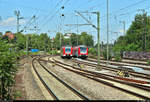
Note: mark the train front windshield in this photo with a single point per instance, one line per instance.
(83, 49)
(68, 50)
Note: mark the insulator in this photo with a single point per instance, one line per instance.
(62, 7)
(62, 15)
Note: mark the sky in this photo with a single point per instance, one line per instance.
(48, 17)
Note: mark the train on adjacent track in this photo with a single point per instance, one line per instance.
(80, 51)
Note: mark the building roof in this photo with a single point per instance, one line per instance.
(10, 35)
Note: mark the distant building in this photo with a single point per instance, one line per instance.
(67, 36)
(10, 35)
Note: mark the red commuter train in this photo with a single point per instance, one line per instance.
(80, 51)
(66, 52)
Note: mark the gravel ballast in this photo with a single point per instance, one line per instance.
(28, 86)
(94, 90)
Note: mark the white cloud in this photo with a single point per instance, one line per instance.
(8, 22)
(11, 21)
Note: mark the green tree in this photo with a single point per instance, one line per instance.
(86, 39)
(73, 39)
(57, 40)
(137, 37)
(20, 41)
(7, 70)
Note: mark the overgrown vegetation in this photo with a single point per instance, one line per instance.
(54, 52)
(148, 62)
(105, 55)
(7, 70)
(44, 43)
(118, 58)
(92, 51)
(13, 49)
(137, 36)
(9, 53)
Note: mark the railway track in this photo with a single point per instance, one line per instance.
(144, 66)
(131, 61)
(139, 81)
(43, 82)
(74, 94)
(135, 74)
(99, 77)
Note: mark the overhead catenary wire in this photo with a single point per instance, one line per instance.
(81, 4)
(129, 6)
(123, 14)
(30, 22)
(46, 16)
(92, 7)
(52, 16)
(134, 4)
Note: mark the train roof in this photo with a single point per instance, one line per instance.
(67, 46)
(80, 46)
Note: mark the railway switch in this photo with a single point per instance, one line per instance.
(120, 73)
(123, 73)
(53, 64)
(82, 66)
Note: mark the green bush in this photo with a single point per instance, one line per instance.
(7, 70)
(105, 55)
(17, 94)
(118, 58)
(148, 62)
(92, 51)
(54, 52)
(34, 53)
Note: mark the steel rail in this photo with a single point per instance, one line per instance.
(136, 74)
(64, 83)
(129, 61)
(104, 75)
(123, 63)
(45, 85)
(101, 76)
